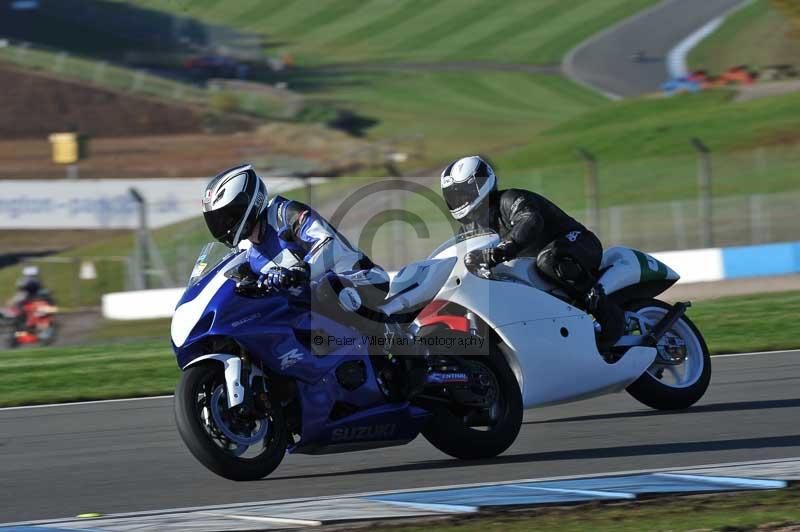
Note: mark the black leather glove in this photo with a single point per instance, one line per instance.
(489, 257)
(281, 278)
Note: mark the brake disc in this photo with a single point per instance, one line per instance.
(219, 420)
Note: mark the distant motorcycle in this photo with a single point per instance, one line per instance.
(263, 375)
(32, 324)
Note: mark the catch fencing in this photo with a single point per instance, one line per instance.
(397, 221)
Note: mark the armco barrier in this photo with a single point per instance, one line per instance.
(694, 266)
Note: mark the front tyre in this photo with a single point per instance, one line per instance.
(239, 443)
(672, 386)
(469, 433)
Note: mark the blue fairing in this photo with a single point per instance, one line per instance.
(279, 331)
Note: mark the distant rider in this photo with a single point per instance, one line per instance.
(529, 225)
(29, 288)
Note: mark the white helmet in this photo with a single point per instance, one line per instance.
(466, 183)
(232, 203)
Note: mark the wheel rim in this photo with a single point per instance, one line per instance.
(230, 429)
(691, 369)
(219, 409)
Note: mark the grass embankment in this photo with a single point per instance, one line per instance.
(124, 79)
(354, 31)
(738, 512)
(137, 360)
(758, 35)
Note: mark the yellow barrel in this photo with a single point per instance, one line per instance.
(68, 148)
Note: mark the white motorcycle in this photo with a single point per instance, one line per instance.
(549, 343)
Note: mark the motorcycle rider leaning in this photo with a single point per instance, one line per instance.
(236, 207)
(529, 225)
(29, 288)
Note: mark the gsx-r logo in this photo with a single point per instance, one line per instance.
(290, 358)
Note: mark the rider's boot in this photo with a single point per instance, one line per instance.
(609, 315)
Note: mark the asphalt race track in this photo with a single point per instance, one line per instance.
(604, 61)
(126, 456)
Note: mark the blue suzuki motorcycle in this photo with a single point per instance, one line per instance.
(265, 374)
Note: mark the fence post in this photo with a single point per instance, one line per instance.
(58, 62)
(140, 251)
(76, 281)
(99, 69)
(679, 225)
(22, 51)
(704, 192)
(591, 186)
(138, 80)
(615, 224)
(755, 204)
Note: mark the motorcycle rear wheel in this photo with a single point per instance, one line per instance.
(449, 432)
(200, 405)
(691, 378)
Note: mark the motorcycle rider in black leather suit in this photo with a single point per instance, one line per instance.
(530, 225)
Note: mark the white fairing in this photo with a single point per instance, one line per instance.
(189, 313)
(627, 267)
(550, 345)
(417, 283)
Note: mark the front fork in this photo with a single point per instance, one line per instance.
(233, 375)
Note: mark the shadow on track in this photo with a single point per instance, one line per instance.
(701, 409)
(573, 454)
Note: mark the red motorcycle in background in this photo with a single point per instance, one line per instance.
(32, 322)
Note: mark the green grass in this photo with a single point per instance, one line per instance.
(457, 112)
(91, 372)
(757, 35)
(762, 322)
(354, 31)
(737, 512)
(134, 364)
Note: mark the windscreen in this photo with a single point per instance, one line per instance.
(457, 239)
(212, 254)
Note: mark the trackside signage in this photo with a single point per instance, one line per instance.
(104, 203)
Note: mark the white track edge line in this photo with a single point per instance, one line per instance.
(781, 352)
(190, 509)
(590, 493)
(122, 400)
(82, 403)
(677, 57)
(732, 481)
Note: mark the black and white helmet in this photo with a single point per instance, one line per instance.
(466, 183)
(232, 202)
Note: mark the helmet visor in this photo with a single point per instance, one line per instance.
(459, 195)
(223, 223)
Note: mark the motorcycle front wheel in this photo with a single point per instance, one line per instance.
(471, 434)
(240, 443)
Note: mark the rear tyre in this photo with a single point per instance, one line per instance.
(673, 387)
(451, 432)
(232, 443)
